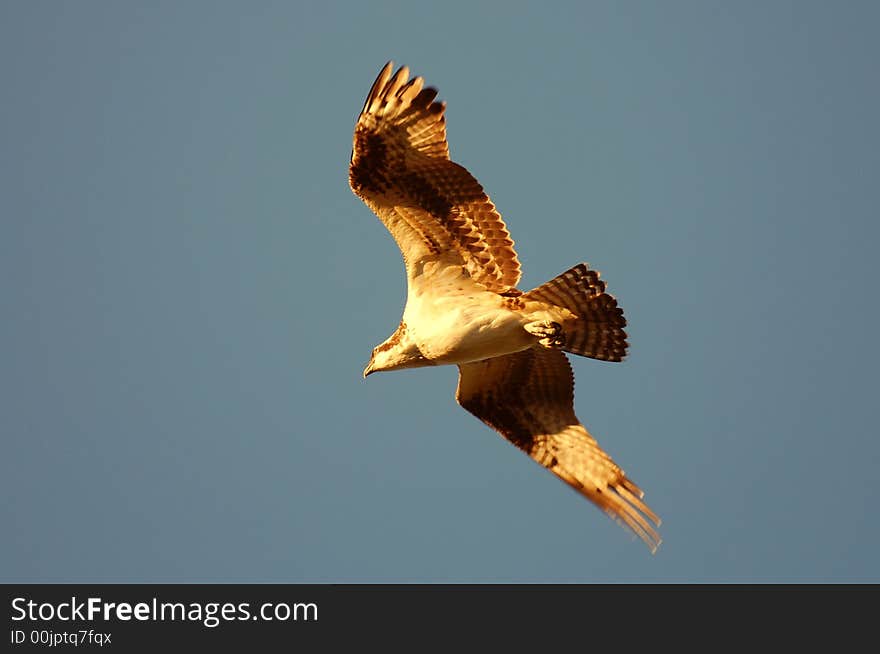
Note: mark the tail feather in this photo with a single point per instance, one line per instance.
(597, 329)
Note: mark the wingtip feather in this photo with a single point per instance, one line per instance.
(379, 84)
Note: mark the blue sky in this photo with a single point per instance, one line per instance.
(191, 291)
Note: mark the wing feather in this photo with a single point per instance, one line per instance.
(529, 398)
(400, 167)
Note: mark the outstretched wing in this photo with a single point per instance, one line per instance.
(528, 397)
(432, 206)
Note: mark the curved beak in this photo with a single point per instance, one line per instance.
(368, 370)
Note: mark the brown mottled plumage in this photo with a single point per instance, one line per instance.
(463, 306)
(400, 167)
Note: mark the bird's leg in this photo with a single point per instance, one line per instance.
(549, 333)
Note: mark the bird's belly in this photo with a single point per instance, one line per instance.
(450, 331)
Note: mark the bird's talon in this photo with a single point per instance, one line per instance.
(549, 333)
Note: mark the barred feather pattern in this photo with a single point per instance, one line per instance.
(528, 397)
(400, 167)
(597, 329)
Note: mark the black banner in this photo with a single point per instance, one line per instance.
(125, 617)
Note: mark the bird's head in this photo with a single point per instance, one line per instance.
(382, 358)
(391, 355)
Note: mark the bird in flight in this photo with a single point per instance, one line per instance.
(463, 306)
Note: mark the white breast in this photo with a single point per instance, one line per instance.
(454, 320)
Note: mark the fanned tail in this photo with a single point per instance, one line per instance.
(597, 329)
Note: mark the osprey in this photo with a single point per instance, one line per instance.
(463, 306)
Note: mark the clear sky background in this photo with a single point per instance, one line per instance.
(190, 291)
